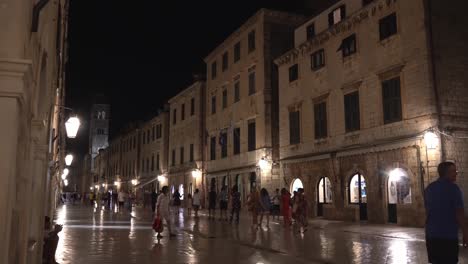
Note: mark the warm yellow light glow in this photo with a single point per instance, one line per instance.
(396, 175)
(134, 181)
(196, 173)
(431, 140)
(263, 164)
(65, 172)
(65, 182)
(161, 178)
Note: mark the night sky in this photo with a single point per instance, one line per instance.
(141, 53)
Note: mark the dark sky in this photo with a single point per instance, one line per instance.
(141, 53)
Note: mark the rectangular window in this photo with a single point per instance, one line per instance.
(182, 112)
(336, 15)
(213, 105)
(147, 165)
(251, 144)
(134, 141)
(391, 95)
(236, 137)
(320, 116)
(224, 98)
(225, 61)
(157, 161)
(317, 59)
(148, 136)
(144, 138)
(223, 142)
(158, 131)
(310, 31)
(173, 157)
(213, 148)
(294, 128)
(152, 162)
(293, 73)
(348, 45)
(251, 40)
(152, 134)
(191, 152)
(192, 106)
(388, 26)
(352, 114)
(181, 155)
(237, 52)
(174, 116)
(251, 83)
(366, 2)
(213, 70)
(236, 91)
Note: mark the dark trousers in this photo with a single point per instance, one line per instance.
(442, 250)
(153, 207)
(236, 212)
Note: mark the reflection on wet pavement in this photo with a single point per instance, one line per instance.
(93, 235)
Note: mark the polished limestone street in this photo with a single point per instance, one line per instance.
(96, 235)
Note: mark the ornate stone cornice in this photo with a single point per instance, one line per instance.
(15, 69)
(341, 28)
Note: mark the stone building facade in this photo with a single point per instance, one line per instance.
(99, 128)
(241, 100)
(154, 145)
(186, 135)
(357, 99)
(32, 136)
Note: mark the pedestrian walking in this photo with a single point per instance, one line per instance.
(196, 202)
(176, 198)
(189, 204)
(162, 210)
(275, 208)
(301, 210)
(91, 199)
(235, 204)
(121, 198)
(265, 206)
(154, 199)
(223, 204)
(444, 216)
(253, 203)
(286, 207)
(212, 204)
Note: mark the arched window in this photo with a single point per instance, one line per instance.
(103, 115)
(296, 184)
(324, 191)
(357, 189)
(399, 187)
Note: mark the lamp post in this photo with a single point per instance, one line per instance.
(72, 125)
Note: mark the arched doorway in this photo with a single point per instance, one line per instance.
(358, 194)
(181, 191)
(324, 193)
(398, 192)
(296, 184)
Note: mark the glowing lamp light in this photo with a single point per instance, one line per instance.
(96, 186)
(396, 175)
(134, 182)
(90, 188)
(196, 173)
(65, 172)
(68, 159)
(64, 176)
(103, 185)
(162, 178)
(116, 183)
(72, 125)
(263, 164)
(65, 182)
(431, 140)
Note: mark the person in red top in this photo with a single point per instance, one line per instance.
(285, 206)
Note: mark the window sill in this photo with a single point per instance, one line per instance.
(388, 40)
(318, 69)
(321, 141)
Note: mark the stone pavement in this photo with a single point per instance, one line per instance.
(92, 235)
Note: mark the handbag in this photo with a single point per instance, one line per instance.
(158, 225)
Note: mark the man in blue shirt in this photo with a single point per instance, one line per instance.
(445, 214)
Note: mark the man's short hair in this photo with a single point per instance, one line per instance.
(443, 167)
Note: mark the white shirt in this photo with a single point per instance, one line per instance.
(196, 199)
(163, 204)
(121, 197)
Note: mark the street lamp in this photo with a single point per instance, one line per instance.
(134, 182)
(68, 159)
(65, 182)
(64, 177)
(72, 125)
(430, 139)
(263, 164)
(65, 172)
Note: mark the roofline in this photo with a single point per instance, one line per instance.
(186, 90)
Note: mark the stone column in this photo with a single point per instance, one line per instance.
(12, 94)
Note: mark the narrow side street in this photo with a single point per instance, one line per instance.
(92, 235)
